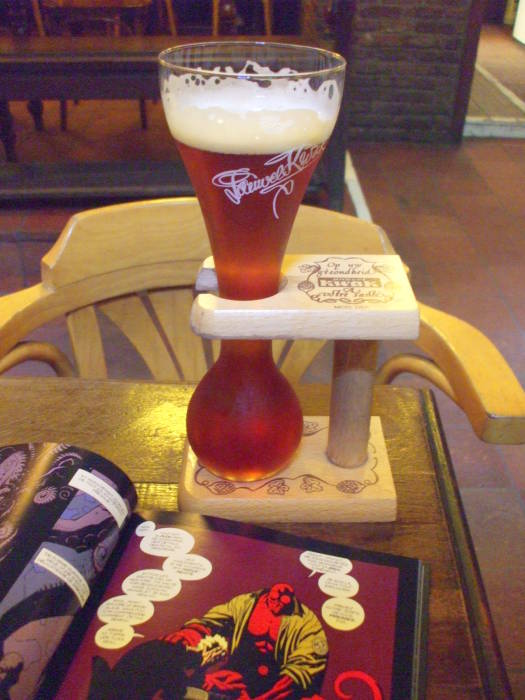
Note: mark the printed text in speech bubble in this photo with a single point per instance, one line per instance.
(343, 613)
(325, 563)
(124, 608)
(189, 567)
(166, 541)
(115, 635)
(339, 585)
(144, 528)
(151, 584)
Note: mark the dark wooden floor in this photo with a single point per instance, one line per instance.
(455, 213)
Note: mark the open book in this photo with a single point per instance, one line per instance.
(99, 602)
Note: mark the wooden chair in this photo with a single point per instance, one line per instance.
(216, 16)
(216, 12)
(52, 16)
(136, 265)
(170, 15)
(108, 13)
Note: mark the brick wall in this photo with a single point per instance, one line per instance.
(404, 67)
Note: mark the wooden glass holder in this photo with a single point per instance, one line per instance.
(341, 470)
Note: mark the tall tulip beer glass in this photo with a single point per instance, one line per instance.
(251, 121)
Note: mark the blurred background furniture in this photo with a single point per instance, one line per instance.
(87, 17)
(229, 10)
(40, 68)
(75, 68)
(112, 17)
(125, 67)
(100, 265)
(225, 17)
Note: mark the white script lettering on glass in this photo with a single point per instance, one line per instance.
(241, 182)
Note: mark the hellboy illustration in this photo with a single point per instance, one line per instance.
(263, 645)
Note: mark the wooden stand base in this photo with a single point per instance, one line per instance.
(310, 489)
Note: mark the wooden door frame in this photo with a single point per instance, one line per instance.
(467, 67)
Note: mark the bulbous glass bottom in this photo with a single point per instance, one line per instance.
(244, 421)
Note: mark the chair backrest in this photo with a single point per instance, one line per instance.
(135, 264)
(216, 16)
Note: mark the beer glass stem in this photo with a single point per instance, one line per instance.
(249, 350)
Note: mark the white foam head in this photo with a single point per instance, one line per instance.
(236, 115)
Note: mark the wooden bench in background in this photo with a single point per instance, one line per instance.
(100, 68)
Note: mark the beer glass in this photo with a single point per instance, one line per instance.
(251, 121)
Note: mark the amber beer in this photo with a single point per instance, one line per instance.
(250, 148)
(244, 421)
(249, 203)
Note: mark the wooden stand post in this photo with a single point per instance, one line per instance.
(354, 365)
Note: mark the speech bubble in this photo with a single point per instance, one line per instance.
(325, 563)
(338, 585)
(145, 528)
(190, 567)
(343, 613)
(166, 541)
(115, 636)
(151, 584)
(124, 608)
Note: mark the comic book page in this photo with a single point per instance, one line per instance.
(61, 511)
(207, 608)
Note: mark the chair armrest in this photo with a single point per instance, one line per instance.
(483, 384)
(414, 364)
(38, 352)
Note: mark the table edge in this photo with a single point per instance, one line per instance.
(486, 646)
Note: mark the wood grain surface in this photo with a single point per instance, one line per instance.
(141, 427)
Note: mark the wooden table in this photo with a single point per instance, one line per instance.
(140, 426)
(103, 68)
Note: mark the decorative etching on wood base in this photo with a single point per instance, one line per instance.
(311, 488)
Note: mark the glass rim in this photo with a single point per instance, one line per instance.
(339, 61)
